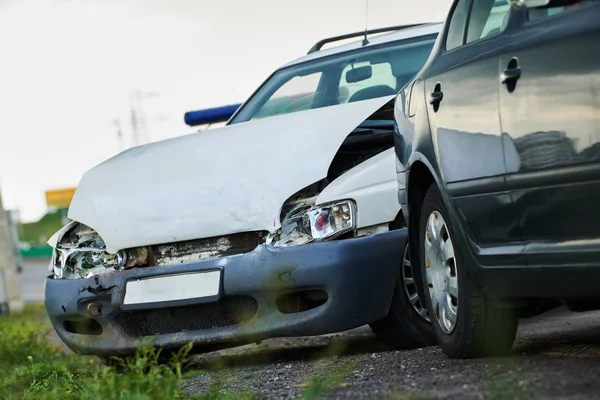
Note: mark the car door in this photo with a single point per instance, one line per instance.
(550, 116)
(462, 90)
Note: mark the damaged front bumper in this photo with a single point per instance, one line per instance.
(353, 281)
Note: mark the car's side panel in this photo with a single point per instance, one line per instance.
(551, 124)
(569, 269)
(466, 135)
(412, 125)
(412, 139)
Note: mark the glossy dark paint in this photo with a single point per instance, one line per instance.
(524, 198)
(560, 85)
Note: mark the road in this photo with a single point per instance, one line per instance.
(34, 272)
(556, 356)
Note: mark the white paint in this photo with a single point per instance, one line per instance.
(372, 185)
(223, 181)
(173, 287)
(54, 239)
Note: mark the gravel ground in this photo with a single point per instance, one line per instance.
(556, 356)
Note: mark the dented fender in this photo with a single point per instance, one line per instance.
(372, 185)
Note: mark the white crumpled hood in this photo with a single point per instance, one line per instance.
(212, 183)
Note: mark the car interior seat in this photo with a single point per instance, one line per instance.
(372, 92)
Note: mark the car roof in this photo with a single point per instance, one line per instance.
(426, 29)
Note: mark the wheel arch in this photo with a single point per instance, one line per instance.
(419, 177)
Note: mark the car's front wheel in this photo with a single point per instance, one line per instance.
(466, 322)
(407, 324)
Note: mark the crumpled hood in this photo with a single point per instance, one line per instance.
(213, 183)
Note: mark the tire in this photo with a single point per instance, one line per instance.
(482, 326)
(403, 328)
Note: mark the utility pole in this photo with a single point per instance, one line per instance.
(138, 126)
(10, 283)
(137, 120)
(119, 131)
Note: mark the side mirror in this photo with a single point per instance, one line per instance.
(359, 74)
(542, 3)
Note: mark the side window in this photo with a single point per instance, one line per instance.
(488, 17)
(456, 29)
(297, 94)
(534, 14)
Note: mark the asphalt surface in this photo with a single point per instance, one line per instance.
(32, 279)
(556, 356)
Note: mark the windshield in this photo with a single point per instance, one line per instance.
(338, 79)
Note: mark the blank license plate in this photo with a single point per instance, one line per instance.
(179, 287)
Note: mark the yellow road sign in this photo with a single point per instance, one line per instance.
(59, 197)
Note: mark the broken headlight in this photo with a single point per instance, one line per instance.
(304, 224)
(79, 252)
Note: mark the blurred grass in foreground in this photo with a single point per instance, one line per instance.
(31, 367)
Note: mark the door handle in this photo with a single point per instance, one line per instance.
(436, 97)
(510, 75)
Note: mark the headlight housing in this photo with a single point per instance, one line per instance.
(304, 224)
(80, 252)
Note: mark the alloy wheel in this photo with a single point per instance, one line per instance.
(410, 287)
(440, 272)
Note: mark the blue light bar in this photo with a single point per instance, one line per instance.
(210, 115)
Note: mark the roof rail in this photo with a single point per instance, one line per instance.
(321, 43)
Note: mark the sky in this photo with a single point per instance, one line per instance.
(68, 69)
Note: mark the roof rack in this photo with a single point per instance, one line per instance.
(321, 43)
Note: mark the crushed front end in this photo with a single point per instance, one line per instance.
(234, 289)
(256, 258)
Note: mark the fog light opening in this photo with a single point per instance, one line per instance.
(86, 326)
(296, 302)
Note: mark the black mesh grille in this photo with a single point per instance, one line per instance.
(227, 312)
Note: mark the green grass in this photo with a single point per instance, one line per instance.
(44, 228)
(31, 367)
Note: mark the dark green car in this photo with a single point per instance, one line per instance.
(498, 147)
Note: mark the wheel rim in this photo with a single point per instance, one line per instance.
(410, 288)
(440, 272)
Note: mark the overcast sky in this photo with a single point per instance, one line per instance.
(67, 68)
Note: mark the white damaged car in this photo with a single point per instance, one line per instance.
(284, 222)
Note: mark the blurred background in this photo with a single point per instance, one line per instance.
(83, 80)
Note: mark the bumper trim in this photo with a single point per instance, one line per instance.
(358, 275)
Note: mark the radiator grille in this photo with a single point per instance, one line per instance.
(227, 312)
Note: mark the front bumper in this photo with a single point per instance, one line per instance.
(358, 276)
